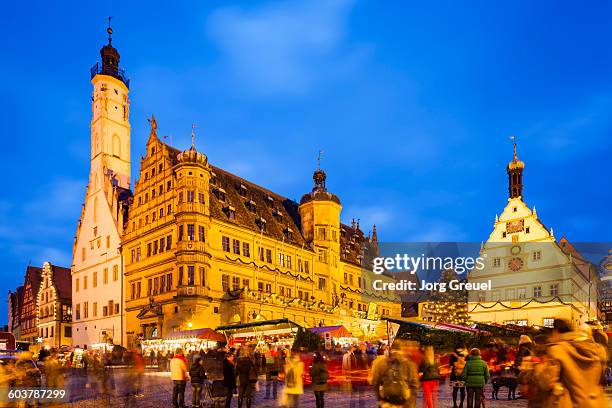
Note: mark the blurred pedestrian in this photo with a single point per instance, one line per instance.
(457, 363)
(430, 378)
(54, 374)
(178, 374)
(246, 376)
(197, 375)
(475, 374)
(319, 376)
(574, 369)
(391, 377)
(525, 350)
(229, 378)
(272, 368)
(139, 369)
(294, 383)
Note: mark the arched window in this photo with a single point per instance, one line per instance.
(116, 146)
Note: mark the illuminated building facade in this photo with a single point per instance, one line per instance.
(204, 247)
(97, 267)
(54, 307)
(534, 277)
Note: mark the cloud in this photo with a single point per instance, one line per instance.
(283, 47)
(42, 227)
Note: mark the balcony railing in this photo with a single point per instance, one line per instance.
(191, 290)
(119, 74)
(191, 246)
(192, 207)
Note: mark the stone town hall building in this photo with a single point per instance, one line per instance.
(196, 246)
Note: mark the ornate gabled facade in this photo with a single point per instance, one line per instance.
(15, 300)
(97, 268)
(204, 247)
(534, 278)
(54, 307)
(31, 286)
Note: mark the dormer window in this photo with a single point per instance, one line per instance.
(242, 190)
(251, 205)
(230, 212)
(261, 223)
(270, 201)
(278, 216)
(213, 178)
(219, 193)
(288, 233)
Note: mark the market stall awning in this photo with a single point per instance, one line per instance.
(201, 334)
(275, 326)
(337, 332)
(435, 325)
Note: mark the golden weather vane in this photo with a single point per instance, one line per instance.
(109, 30)
(513, 138)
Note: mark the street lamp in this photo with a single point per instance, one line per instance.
(190, 325)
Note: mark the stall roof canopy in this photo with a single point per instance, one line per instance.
(337, 332)
(258, 326)
(202, 334)
(434, 325)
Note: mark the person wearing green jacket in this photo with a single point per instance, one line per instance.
(475, 374)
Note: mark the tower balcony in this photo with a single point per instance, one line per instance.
(197, 246)
(116, 73)
(190, 207)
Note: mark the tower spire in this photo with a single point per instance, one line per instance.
(110, 60)
(109, 30)
(193, 126)
(515, 173)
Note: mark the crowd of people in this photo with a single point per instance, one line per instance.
(564, 368)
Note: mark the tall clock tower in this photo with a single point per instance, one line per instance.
(533, 277)
(97, 267)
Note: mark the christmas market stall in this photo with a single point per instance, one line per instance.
(336, 334)
(442, 336)
(188, 340)
(263, 334)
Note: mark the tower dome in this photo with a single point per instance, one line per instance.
(191, 155)
(110, 60)
(319, 191)
(515, 163)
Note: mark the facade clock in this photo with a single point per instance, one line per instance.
(515, 250)
(515, 263)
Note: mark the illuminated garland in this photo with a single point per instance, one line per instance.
(366, 293)
(297, 275)
(273, 297)
(520, 307)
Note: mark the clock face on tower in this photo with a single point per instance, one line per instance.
(515, 264)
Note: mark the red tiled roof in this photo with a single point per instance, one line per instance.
(63, 282)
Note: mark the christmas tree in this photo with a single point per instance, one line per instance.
(449, 306)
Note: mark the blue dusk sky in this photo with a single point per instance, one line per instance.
(412, 103)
